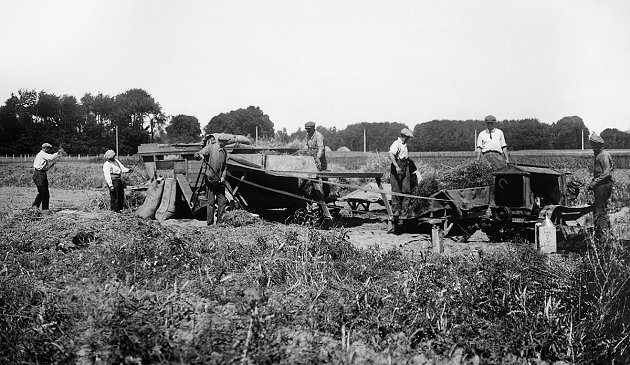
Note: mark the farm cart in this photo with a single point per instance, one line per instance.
(520, 197)
(258, 179)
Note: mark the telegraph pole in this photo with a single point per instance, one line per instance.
(364, 142)
(117, 141)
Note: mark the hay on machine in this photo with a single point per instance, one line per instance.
(259, 179)
(519, 197)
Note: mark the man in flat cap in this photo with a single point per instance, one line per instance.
(491, 144)
(601, 184)
(314, 144)
(215, 159)
(44, 160)
(315, 147)
(400, 176)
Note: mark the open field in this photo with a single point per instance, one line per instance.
(85, 285)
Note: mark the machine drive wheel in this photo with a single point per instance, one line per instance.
(502, 214)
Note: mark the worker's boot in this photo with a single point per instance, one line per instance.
(327, 223)
(395, 225)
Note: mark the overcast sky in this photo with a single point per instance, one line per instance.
(334, 62)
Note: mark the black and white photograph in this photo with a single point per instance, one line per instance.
(426, 182)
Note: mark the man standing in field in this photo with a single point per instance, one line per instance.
(315, 147)
(400, 176)
(112, 170)
(215, 158)
(491, 145)
(43, 162)
(601, 184)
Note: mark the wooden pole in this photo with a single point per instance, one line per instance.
(364, 142)
(116, 140)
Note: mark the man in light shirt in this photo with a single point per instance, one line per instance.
(43, 162)
(113, 169)
(602, 186)
(315, 147)
(491, 145)
(400, 176)
(314, 144)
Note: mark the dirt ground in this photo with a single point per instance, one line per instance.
(17, 198)
(364, 231)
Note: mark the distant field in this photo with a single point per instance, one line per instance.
(567, 162)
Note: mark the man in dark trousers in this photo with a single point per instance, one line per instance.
(491, 145)
(113, 170)
(400, 177)
(601, 184)
(44, 160)
(215, 158)
(315, 147)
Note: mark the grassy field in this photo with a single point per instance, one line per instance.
(95, 287)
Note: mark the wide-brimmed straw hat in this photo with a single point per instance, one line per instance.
(595, 138)
(406, 132)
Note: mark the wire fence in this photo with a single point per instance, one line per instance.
(333, 154)
(67, 158)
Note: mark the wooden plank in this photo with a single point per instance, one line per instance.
(387, 206)
(350, 174)
(185, 187)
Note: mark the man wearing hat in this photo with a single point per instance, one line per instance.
(601, 184)
(491, 144)
(314, 144)
(215, 158)
(400, 175)
(315, 147)
(44, 160)
(113, 169)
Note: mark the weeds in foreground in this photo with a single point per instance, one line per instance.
(285, 294)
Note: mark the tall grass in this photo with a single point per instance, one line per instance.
(71, 175)
(268, 293)
(112, 288)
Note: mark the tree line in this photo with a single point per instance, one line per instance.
(456, 135)
(89, 125)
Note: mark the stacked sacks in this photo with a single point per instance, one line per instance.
(152, 200)
(162, 201)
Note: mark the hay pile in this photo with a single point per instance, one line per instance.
(467, 175)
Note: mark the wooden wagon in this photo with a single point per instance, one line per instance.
(258, 179)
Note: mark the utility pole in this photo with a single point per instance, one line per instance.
(364, 142)
(117, 141)
(256, 142)
(475, 141)
(582, 139)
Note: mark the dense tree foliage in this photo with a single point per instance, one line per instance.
(242, 121)
(183, 129)
(616, 138)
(89, 125)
